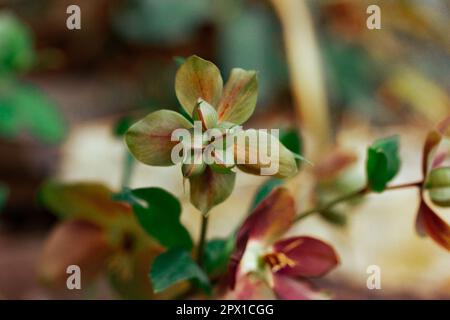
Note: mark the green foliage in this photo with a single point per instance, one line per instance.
(217, 254)
(334, 217)
(291, 140)
(16, 46)
(122, 125)
(158, 212)
(22, 107)
(383, 163)
(26, 108)
(264, 190)
(174, 266)
(3, 195)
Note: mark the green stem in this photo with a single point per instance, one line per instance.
(348, 197)
(128, 165)
(202, 240)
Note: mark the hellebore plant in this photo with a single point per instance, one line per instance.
(125, 233)
(261, 260)
(199, 89)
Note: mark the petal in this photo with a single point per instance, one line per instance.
(149, 140)
(210, 188)
(260, 153)
(444, 127)
(239, 97)
(74, 242)
(307, 257)
(432, 141)
(429, 148)
(88, 201)
(198, 78)
(249, 287)
(428, 222)
(271, 218)
(287, 288)
(205, 113)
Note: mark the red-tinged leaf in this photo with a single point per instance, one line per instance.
(302, 257)
(150, 139)
(89, 201)
(198, 78)
(287, 288)
(270, 219)
(444, 127)
(239, 97)
(429, 223)
(74, 242)
(431, 142)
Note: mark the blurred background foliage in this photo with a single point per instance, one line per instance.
(121, 65)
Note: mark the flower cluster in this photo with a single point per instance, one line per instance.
(264, 267)
(200, 91)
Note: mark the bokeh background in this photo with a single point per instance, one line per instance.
(322, 72)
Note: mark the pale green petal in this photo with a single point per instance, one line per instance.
(210, 188)
(149, 140)
(198, 78)
(282, 162)
(239, 97)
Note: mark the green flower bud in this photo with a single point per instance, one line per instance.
(438, 185)
(194, 166)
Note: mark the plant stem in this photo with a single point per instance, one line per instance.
(348, 197)
(128, 165)
(306, 75)
(202, 240)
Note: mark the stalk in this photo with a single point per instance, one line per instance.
(202, 240)
(307, 81)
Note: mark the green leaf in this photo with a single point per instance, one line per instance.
(217, 254)
(264, 190)
(16, 45)
(383, 162)
(3, 195)
(122, 125)
(438, 185)
(158, 212)
(179, 60)
(149, 140)
(174, 266)
(291, 139)
(334, 217)
(27, 108)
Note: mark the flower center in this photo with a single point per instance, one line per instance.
(278, 260)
